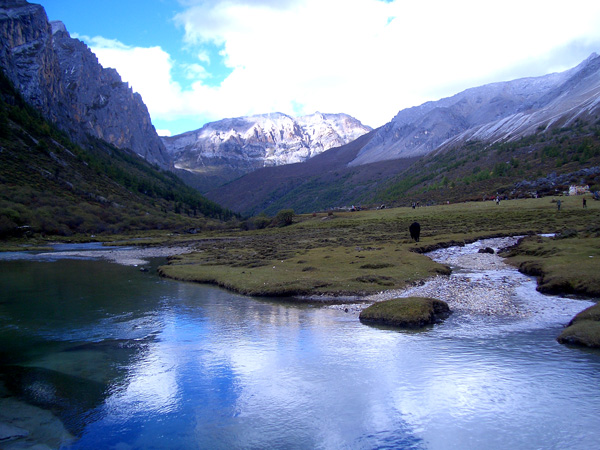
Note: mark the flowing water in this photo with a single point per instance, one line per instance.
(98, 355)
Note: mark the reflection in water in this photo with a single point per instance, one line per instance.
(128, 360)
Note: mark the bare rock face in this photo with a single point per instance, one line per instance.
(62, 78)
(233, 147)
(26, 53)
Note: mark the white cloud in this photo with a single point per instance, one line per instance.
(367, 58)
(196, 72)
(204, 57)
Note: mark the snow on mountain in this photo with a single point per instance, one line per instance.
(498, 111)
(576, 98)
(244, 144)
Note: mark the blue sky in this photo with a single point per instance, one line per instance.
(195, 61)
(137, 23)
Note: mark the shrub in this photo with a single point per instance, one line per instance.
(261, 222)
(284, 217)
(7, 226)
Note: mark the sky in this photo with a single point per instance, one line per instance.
(198, 61)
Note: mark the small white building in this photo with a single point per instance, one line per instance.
(579, 190)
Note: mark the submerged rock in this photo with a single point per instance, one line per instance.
(24, 426)
(68, 397)
(9, 432)
(410, 312)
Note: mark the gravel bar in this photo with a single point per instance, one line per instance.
(480, 283)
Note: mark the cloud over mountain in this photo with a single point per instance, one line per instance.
(300, 56)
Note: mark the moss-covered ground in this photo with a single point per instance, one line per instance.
(410, 312)
(564, 264)
(361, 252)
(584, 329)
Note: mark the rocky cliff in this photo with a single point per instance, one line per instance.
(229, 148)
(63, 79)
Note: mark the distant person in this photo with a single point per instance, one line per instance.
(584, 203)
(558, 204)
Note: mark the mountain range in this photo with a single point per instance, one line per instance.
(491, 115)
(489, 138)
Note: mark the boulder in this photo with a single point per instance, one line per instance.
(410, 312)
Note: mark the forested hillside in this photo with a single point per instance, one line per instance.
(50, 185)
(546, 163)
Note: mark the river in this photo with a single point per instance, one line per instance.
(95, 354)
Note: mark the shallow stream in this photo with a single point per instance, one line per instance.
(99, 355)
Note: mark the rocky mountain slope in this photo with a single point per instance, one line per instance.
(494, 112)
(481, 141)
(576, 98)
(224, 150)
(62, 78)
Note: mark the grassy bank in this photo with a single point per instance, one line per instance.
(584, 329)
(565, 264)
(368, 251)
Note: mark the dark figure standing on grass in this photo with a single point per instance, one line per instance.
(558, 205)
(584, 203)
(415, 231)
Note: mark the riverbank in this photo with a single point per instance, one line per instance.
(481, 283)
(138, 256)
(331, 257)
(476, 280)
(567, 264)
(363, 253)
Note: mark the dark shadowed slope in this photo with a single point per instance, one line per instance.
(322, 182)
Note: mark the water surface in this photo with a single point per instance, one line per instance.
(127, 360)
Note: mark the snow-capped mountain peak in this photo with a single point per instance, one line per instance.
(243, 144)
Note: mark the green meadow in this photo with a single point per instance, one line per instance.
(357, 253)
